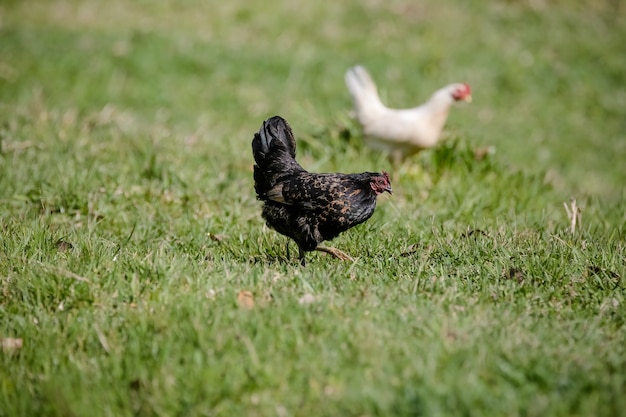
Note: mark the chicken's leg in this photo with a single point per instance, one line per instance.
(331, 251)
(336, 253)
(301, 256)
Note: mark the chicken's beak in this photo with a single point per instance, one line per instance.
(468, 98)
(389, 190)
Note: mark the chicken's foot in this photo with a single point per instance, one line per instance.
(336, 253)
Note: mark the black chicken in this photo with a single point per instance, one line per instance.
(309, 208)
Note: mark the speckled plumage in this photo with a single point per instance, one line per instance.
(309, 208)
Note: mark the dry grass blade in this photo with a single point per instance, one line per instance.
(102, 339)
(574, 215)
(63, 272)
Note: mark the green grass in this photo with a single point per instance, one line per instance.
(129, 227)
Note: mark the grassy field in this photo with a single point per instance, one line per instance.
(137, 276)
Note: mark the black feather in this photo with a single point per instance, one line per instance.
(309, 208)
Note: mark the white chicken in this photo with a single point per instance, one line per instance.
(400, 132)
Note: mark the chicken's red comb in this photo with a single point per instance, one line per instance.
(462, 91)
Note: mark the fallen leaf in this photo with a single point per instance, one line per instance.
(63, 246)
(268, 297)
(451, 335)
(411, 249)
(11, 344)
(216, 238)
(307, 299)
(481, 153)
(245, 299)
(514, 273)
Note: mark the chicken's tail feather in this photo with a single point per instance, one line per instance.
(274, 151)
(274, 136)
(362, 88)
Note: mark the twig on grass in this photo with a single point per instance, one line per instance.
(64, 272)
(574, 214)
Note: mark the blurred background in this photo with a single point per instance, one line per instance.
(548, 77)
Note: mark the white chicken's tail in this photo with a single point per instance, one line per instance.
(363, 91)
